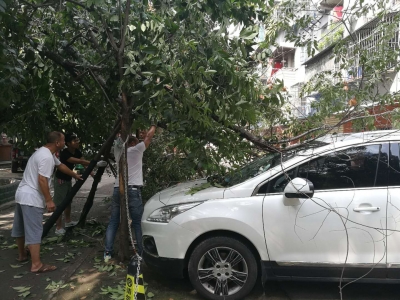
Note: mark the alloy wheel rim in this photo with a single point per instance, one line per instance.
(222, 271)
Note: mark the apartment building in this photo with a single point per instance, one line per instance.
(333, 21)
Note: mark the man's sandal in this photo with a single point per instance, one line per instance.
(45, 268)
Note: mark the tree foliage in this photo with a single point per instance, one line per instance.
(179, 62)
(188, 64)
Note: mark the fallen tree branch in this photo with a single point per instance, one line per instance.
(259, 142)
(78, 184)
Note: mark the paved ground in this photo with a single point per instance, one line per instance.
(81, 273)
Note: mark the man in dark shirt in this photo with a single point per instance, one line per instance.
(62, 182)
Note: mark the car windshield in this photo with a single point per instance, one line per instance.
(265, 163)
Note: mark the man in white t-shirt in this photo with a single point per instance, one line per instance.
(32, 196)
(135, 182)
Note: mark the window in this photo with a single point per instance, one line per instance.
(356, 167)
(262, 164)
(369, 41)
(394, 170)
(278, 184)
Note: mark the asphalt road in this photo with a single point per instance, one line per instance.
(271, 291)
(328, 291)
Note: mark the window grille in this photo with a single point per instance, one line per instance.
(369, 40)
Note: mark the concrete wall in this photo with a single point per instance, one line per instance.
(7, 191)
(325, 63)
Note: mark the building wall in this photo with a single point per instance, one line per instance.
(354, 22)
(382, 121)
(325, 63)
(332, 121)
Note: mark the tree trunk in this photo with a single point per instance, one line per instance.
(123, 253)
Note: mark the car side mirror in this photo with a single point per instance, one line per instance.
(299, 188)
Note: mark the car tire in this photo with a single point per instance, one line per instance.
(14, 167)
(222, 268)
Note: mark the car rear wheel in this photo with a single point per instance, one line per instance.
(222, 268)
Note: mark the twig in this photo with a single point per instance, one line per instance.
(102, 89)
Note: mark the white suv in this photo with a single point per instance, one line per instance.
(332, 205)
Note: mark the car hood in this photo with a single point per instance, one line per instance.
(180, 193)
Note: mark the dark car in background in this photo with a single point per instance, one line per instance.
(19, 158)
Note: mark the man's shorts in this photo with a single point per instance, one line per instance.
(61, 189)
(28, 222)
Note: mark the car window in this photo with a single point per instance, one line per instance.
(278, 184)
(262, 164)
(394, 169)
(356, 167)
(382, 174)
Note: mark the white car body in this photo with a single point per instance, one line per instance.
(292, 238)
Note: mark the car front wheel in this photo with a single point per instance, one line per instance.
(222, 268)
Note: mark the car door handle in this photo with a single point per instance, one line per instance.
(368, 208)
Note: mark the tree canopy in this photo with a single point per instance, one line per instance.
(187, 64)
(78, 65)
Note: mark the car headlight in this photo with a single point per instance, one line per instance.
(166, 213)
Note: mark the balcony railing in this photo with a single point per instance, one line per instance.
(369, 41)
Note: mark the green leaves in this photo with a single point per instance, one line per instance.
(3, 6)
(150, 50)
(115, 293)
(112, 269)
(23, 290)
(114, 18)
(67, 257)
(177, 68)
(147, 73)
(55, 286)
(13, 246)
(249, 33)
(241, 102)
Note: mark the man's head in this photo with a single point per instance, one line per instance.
(72, 140)
(57, 139)
(142, 134)
(132, 141)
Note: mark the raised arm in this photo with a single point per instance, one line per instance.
(149, 135)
